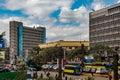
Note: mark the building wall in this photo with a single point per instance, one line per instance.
(67, 45)
(14, 38)
(105, 26)
(24, 38)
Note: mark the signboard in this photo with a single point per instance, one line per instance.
(2, 54)
(2, 44)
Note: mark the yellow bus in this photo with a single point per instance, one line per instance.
(72, 69)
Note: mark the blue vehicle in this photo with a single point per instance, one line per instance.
(32, 68)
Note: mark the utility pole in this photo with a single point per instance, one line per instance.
(115, 63)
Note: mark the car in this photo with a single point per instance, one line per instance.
(87, 70)
(1, 69)
(98, 70)
(45, 66)
(32, 68)
(55, 67)
(104, 71)
(93, 70)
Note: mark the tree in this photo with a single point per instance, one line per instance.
(1, 35)
(37, 49)
(51, 53)
(34, 58)
(99, 50)
(78, 52)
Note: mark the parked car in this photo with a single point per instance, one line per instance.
(45, 66)
(98, 70)
(104, 71)
(86, 69)
(32, 68)
(2, 69)
(93, 70)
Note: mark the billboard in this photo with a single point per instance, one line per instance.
(2, 43)
(2, 54)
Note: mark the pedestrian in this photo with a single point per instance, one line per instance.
(109, 74)
(110, 77)
(65, 77)
(56, 77)
(92, 74)
(63, 74)
(41, 76)
(70, 78)
(48, 74)
(45, 71)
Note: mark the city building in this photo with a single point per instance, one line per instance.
(23, 39)
(104, 26)
(67, 45)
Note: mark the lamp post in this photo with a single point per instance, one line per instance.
(115, 63)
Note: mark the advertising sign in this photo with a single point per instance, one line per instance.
(2, 44)
(2, 54)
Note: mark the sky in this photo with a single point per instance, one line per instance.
(63, 19)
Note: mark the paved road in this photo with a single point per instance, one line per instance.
(73, 77)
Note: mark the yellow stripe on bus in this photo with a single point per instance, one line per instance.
(88, 66)
(68, 71)
(98, 66)
(118, 67)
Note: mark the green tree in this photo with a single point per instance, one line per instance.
(34, 58)
(50, 53)
(78, 52)
(36, 49)
(98, 50)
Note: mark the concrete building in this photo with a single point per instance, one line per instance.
(23, 39)
(104, 26)
(67, 45)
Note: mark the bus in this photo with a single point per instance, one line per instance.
(72, 69)
(94, 67)
(98, 65)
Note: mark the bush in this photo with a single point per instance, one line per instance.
(89, 78)
(50, 78)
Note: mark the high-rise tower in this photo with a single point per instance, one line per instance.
(24, 38)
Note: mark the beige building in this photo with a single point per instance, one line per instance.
(67, 45)
(105, 26)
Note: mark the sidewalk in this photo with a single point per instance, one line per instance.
(95, 74)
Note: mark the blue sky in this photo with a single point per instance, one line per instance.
(63, 19)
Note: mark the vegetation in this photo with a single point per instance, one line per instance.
(78, 52)
(89, 78)
(35, 58)
(100, 50)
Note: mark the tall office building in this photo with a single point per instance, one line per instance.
(23, 39)
(104, 26)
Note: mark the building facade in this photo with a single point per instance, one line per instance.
(67, 45)
(104, 26)
(23, 39)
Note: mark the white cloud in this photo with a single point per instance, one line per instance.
(68, 33)
(79, 15)
(38, 12)
(37, 8)
(118, 1)
(98, 4)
